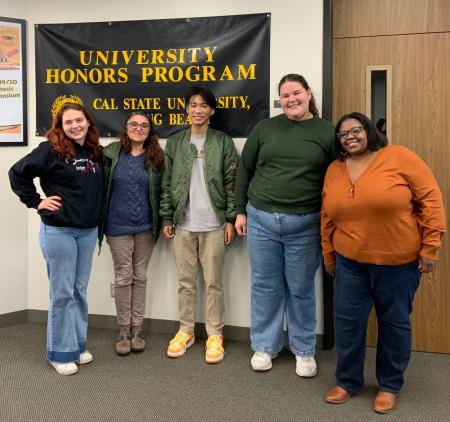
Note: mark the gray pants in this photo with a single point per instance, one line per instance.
(209, 249)
(131, 255)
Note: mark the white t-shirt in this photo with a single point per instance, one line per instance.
(199, 215)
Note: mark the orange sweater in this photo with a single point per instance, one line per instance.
(391, 214)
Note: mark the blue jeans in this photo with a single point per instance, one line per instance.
(68, 254)
(284, 254)
(391, 289)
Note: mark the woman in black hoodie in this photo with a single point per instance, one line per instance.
(70, 170)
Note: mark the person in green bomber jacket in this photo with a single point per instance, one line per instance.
(198, 200)
(132, 168)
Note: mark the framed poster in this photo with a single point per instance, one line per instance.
(13, 83)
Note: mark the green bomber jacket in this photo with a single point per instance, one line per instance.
(221, 160)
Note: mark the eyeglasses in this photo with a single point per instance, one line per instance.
(135, 125)
(354, 131)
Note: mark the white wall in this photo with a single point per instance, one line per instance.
(296, 47)
(14, 216)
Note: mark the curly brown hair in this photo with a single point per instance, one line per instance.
(153, 153)
(62, 146)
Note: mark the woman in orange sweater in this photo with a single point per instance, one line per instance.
(382, 223)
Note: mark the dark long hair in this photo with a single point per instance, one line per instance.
(293, 77)
(375, 139)
(153, 153)
(62, 146)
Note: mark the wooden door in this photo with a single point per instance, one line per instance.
(420, 120)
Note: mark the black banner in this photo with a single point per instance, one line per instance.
(117, 67)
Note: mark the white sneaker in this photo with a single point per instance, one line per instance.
(85, 357)
(68, 368)
(262, 361)
(306, 366)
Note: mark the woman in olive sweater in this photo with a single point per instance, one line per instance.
(278, 196)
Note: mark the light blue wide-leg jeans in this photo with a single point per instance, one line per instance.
(284, 254)
(68, 253)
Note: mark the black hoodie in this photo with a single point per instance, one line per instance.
(78, 182)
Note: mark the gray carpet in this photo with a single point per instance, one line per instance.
(151, 387)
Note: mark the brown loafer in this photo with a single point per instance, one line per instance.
(384, 402)
(337, 395)
(137, 341)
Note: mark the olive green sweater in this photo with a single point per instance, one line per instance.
(283, 165)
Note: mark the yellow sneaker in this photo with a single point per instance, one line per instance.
(179, 344)
(214, 349)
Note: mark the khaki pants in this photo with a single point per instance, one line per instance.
(131, 255)
(209, 249)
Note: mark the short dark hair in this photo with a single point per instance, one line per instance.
(375, 139)
(205, 93)
(294, 77)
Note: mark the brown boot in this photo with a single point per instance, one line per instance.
(384, 402)
(123, 345)
(137, 341)
(337, 395)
